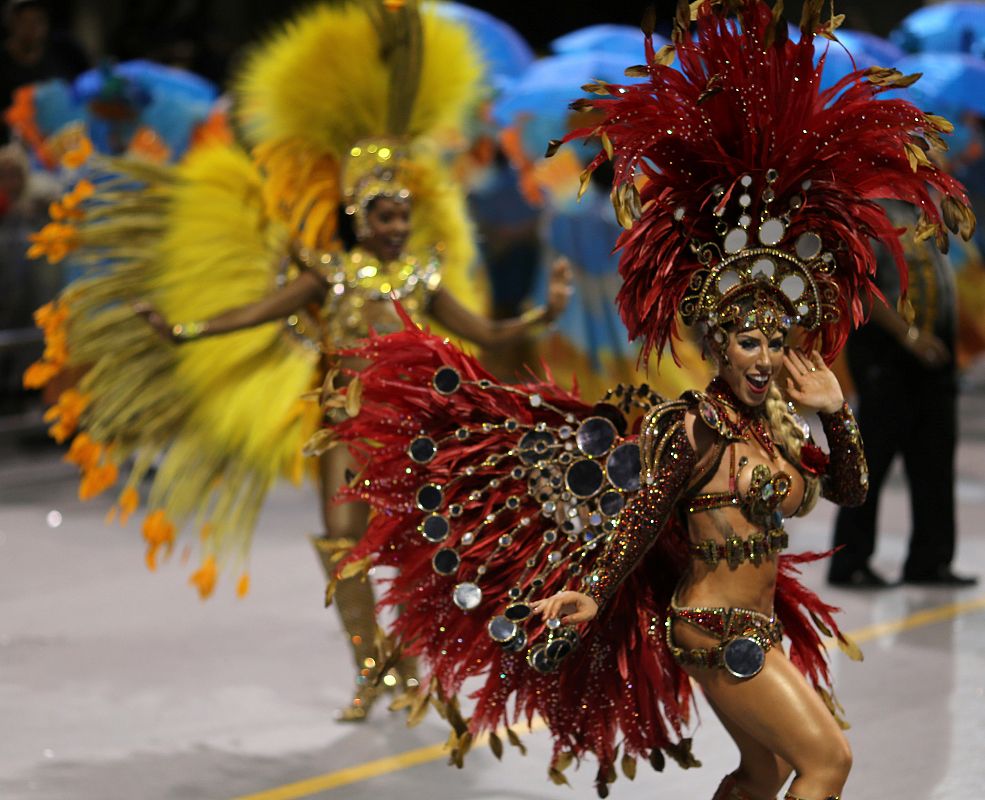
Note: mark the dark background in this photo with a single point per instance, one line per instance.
(205, 35)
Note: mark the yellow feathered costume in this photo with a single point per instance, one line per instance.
(222, 419)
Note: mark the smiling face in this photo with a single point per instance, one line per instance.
(752, 363)
(387, 227)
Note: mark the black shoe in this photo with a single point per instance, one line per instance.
(859, 578)
(941, 576)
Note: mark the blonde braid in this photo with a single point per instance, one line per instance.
(786, 430)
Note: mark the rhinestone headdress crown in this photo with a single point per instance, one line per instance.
(372, 169)
(757, 275)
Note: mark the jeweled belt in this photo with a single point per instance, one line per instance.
(735, 549)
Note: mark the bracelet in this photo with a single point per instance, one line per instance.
(913, 333)
(534, 317)
(188, 331)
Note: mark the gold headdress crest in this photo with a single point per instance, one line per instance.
(757, 274)
(372, 169)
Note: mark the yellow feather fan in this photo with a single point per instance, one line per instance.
(221, 419)
(323, 80)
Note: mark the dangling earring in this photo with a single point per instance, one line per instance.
(720, 338)
(361, 226)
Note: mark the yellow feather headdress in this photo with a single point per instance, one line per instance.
(344, 78)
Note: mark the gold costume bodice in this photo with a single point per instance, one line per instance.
(360, 290)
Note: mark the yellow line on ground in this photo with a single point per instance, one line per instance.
(919, 619)
(343, 777)
(424, 755)
(369, 769)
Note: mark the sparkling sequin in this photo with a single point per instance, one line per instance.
(846, 480)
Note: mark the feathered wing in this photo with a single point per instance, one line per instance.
(220, 420)
(487, 497)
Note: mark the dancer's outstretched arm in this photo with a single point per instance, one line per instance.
(487, 332)
(305, 289)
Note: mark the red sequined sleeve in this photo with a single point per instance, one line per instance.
(846, 479)
(668, 462)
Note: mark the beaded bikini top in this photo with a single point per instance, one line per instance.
(767, 491)
(360, 288)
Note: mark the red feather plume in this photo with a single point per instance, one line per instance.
(746, 100)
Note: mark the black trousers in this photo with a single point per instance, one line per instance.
(907, 409)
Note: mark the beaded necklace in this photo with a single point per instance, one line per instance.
(749, 423)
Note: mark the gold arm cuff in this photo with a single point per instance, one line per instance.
(188, 331)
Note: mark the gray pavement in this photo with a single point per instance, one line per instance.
(119, 684)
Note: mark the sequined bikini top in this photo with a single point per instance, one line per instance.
(360, 288)
(767, 489)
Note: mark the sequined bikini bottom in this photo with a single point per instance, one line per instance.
(745, 637)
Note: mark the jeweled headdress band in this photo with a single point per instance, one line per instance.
(372, 169)
(758, 274)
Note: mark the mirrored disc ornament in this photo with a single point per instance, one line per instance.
(727, 280)
(435, 528)
(611, 503)
(561, 642)
(808, 246)
(536, 446)
(792, 286)
(518, 642)
(744, 657)
(763, 268)
(538, 659)
(430, 497)
(467, 596)
(446, 380)
(735, 240)
(518, 612)
(584, 478)
(501, 629)
(623, 467)
(422, 450)
(772, 231)
(446, 561)
(595, 436)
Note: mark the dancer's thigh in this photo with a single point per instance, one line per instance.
(778, 709)
(756, 757)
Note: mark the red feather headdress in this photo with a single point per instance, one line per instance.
(748, 192)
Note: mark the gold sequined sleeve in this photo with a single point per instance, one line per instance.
(846, 479)
(668, 462)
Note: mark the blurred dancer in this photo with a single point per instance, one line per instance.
(291, 254)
